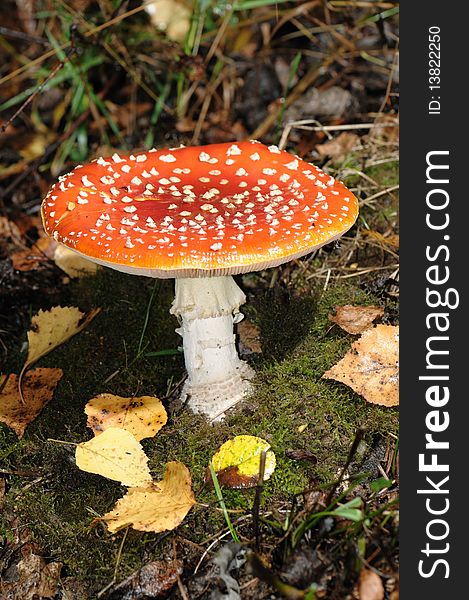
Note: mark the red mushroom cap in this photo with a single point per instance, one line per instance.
(198, 211)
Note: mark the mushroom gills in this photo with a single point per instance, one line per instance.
(207, 308)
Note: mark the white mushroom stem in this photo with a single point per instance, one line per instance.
(207, 309)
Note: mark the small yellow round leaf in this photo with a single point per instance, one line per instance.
(237, 461)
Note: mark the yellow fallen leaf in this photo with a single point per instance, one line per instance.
(117, 455)
(355, 319)
(142, 416)
(161, 507)
(38, 388)
(53, 327)
(237, 461)
(371, 367)
(72, 263)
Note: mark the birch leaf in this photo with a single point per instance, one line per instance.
(143, 417)
(53, 327)
(73, 263)
(371, 367)
(161, 507)
(117, 455)
(38, 388)
(355, 319)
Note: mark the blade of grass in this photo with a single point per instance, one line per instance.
(248, 4)
(147, 316)
(221, 501)
(293, 70)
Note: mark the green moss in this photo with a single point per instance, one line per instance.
(299, 345)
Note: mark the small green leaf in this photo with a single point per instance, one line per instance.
(352, 514)
(380, 484)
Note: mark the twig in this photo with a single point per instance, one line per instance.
(351, 454)
(39, 88)
(118, 559)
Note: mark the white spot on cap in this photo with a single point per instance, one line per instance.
(255, 156)
(136, 181)
(82, 200)
(126, 168)
(126, 199)
(168, 158)
(217, 246)
(128, 243)
(130, 209)
(86, 181)
(229, 161)
(233, 150)
(116, 158)
(293, 165)
(269, 171)
(241, 172)
(274, 149)
(141, 158)
(204, 157)
(164, 181)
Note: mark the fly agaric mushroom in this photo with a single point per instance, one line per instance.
(200, 215)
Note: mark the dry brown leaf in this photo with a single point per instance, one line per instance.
(38, 389)
(371, 367)
(53, 327)
(386, 242)
(370, 586)
(158, 508)
(31, 578)
(153, 580)
(249, 335)
(72, 263)
(355, 319)
(143, 417)
(9, 230)
(32, 259)
(339, 146)
(117, 455)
